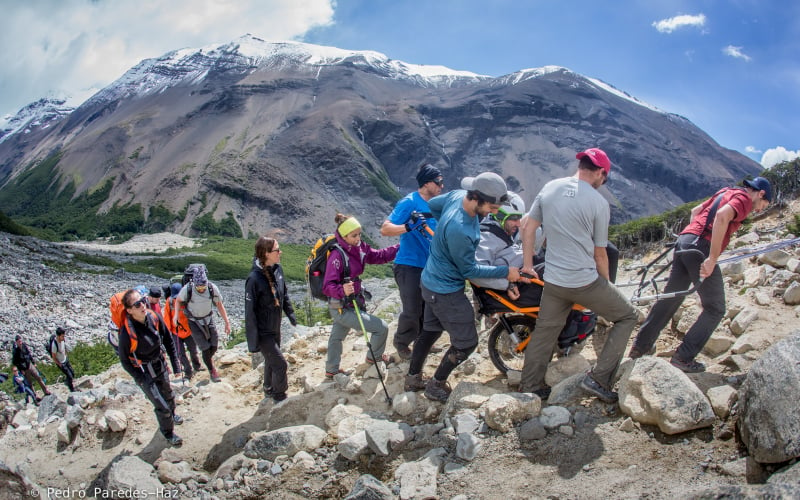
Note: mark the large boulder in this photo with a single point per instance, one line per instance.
(769, 422)
(652, 391)
(133, 474)
(287, 441)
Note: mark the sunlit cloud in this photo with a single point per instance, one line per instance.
(752, 150)
(736, 52)
(773, 156)
(685, 20)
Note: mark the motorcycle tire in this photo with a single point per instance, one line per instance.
(502, 350)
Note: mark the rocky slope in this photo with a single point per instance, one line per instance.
(486, 441)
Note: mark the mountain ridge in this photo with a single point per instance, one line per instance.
(254, 131)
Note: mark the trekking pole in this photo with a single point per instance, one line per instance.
(369, 345)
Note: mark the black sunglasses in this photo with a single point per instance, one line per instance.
(439, 182)
(142, 301)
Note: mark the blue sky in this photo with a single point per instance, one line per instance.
(731, 67)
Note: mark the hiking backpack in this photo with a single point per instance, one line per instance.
(317, 262)
(49, 345)
(188, 274)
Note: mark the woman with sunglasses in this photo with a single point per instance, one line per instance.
(266, 295)
(142, 336)
(344, 289)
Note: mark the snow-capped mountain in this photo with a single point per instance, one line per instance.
(248, 54)
(37, 115)
(282, 135)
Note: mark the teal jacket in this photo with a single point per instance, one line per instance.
(452, 259)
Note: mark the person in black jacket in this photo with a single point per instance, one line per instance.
(265, 296)
(146, 331)
(23, 359)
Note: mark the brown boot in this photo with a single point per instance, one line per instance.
(414, 383)
(436, 390)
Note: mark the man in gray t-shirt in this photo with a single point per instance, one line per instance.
(198, 299)
(576, 217)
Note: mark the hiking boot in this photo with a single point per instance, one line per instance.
(198, 367)
(437, 390)
(384, 357)
(636, 352)
(435, 349)
(268, 392)
(414, 383)
(177, 419)
(543, 392)
(279, 396)
(594, 388)
(687, 366)
(330, 375)
(403, 351)
(173, 439)
(215, 375)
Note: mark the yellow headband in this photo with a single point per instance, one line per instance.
(348, 226)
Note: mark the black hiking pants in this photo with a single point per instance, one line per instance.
(275, 380)
(157, 390)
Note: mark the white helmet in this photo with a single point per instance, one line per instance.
(513, 207)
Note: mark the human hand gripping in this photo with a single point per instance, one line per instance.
(707, 267)
(415, 222)
(527, 273)
(513, 274)
(349, 289)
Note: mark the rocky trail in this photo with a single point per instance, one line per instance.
(671, 436)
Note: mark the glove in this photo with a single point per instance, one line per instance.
(293, 319)
(415, 222)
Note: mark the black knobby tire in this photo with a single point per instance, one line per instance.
(502, 350)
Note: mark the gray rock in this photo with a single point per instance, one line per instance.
(74, 416)
(51, 406)
(404, 403)
(383, 436)
(418, 479)
(553, 417)
(63, 433)
(367, 487)
(287, 441)
(116, 420)
(353, 446)
(16, 484)
(743, 320)
(175, 473)
(467, 446)
(747, 492)
(769, 422)
(792, 294)
(775, 258)
(652, 391)
(722, 398)
(465, 421)
(132, 473)
(532, 429)
(789, 475)
(567, 391)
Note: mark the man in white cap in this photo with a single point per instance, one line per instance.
(451, 263)
(576, 217)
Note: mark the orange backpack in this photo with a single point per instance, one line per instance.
(119, 317)
(182, 328)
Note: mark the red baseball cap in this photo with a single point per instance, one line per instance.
(598, 157)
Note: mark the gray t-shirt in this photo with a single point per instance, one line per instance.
(200, 306)
(576, 219)
(59, 349)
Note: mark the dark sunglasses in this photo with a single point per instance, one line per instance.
(141, 302)
(439, 182)
(275, 250)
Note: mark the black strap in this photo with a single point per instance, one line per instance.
(345, 259)
(497, 231)
(712, 213)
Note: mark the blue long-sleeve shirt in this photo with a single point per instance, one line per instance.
(452, 259)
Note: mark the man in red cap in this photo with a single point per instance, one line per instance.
(576, 263)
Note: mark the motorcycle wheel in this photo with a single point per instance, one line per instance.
(502, 349)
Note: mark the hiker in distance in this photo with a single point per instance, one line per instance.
(185, 344)
(22, 358)
(709, 231)
(342, 286)
(452, 261)
(265, 297)
(198, 299)
(576, 217)
(142, 337)
(415, 246)
(22, 386)
(58, 351)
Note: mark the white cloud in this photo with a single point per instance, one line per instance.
(751, 150)
(773, 156)
(671, 24)
(77, 47)
(736, 52)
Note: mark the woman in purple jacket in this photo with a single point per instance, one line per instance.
(341, 290)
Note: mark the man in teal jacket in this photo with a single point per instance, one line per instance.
(451, 263)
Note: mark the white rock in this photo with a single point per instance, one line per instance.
(743, 320)
(404, 403)
(792, 294)
(722, 398)
(117, 421)
(755, 276)
(718, 343)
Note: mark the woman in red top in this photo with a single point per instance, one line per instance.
(709, 231)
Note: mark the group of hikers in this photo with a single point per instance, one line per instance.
(481, 234)
(24, 370)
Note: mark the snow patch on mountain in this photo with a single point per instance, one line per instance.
(35, 116)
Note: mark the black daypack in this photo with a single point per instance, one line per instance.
(317, 262)
(49, 345)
